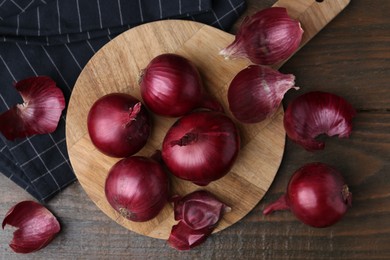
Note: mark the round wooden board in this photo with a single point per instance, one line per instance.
(116, 67)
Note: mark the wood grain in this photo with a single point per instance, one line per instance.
(116, 68)
(350, 57)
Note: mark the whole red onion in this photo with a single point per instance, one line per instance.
(316, 194)
(137, 187)
(268, 37)
(171, 86)
(315, 113)
(201, 147)
(256, 92)
(118, 125)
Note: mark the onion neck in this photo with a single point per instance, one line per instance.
(347, 195)
(280, 204)
(133, 113)
(187, 139)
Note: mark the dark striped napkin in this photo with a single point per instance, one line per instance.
(56, 38)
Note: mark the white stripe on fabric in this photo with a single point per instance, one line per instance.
(55, 66)
(51, 193)
(36, 156)
(39, 22)
(6, 66)
(3, 148)
(59, 17)
(100, 14)
(180, 12)
(120, 11)
(43, 1)
(79, 14)
(74, 58)
(223, 16)
(234, 8)
(140, 10)
(217, 20)
(17, 145)
(5, 103)
(3, 2)
(49, 172)
(16, 4)
(17, 25)
(90, 46)
(24, 56)
(27, 6)
(200, 5)
(159, 5)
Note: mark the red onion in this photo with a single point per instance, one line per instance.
(118, 125)
(201, 147)
(316, 113)
(36, 225)
(171, 86)
(40, 112)
(256, 92)
(198, 214)
(268, 37)
(316, 194)
(137, 187)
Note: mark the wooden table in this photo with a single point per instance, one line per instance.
(351, 58)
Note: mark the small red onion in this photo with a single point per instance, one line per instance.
(118, 125)
(201, 147)
(315, 113)
(316, 194)
(171, 86)
(137, 187)
(256, 92)
(40, 112)
(268, 37)
(36, 225)
(198, 214)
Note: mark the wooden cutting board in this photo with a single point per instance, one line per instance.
(116, 67)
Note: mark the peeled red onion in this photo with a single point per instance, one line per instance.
(171, 86)
(198, 214)
(118, 125)
(315, 113)
(40, 112)
(37, 226)
(268, 37)
(137, 187)
(201, 147)
(316, 194)
(256, 92)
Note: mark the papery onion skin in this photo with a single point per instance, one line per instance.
(172, 86)
(201, 147)
(316, 194)
(37, 226)
(315, 113)
(268, 37)
(119, 125)
(256, 92)
(40, 112)
(137, 187)
(198, 214)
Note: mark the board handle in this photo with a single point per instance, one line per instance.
(313, 15)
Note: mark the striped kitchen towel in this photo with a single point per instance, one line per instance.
(56, 38)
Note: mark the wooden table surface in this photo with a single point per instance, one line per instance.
(351, 58)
